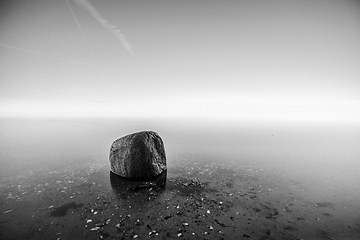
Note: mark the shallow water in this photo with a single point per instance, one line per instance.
(225, 180)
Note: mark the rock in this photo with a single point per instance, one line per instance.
(139, 155)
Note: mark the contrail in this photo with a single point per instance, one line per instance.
(85, 40)
(28, 51)
(109, 27)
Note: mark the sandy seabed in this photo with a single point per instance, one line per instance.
(202, 198)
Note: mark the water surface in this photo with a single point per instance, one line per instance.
(229, 180)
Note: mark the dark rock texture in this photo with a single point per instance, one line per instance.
(139, 155)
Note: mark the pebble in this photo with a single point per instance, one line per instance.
(153, 232)
(95, 229)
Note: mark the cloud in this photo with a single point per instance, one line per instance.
(109, 27)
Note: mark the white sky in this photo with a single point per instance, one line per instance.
(295, 60)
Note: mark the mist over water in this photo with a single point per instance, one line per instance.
(312, 168)
(321, 155)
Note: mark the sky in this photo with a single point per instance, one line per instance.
(292, 60)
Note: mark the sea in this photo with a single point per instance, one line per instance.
(226, 179)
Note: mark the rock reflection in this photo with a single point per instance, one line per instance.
(148, 189)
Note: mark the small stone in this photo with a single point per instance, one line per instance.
(211, 228)
(179, 234)
(152, 232)
(88, 221)
(95, 229)
(208, 211)
(185, 224)
(136, 236)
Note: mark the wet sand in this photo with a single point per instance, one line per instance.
(203, 198)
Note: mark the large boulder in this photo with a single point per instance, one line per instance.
(139, 155)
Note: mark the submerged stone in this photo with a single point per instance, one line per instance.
(139, 155)
(62, 210)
